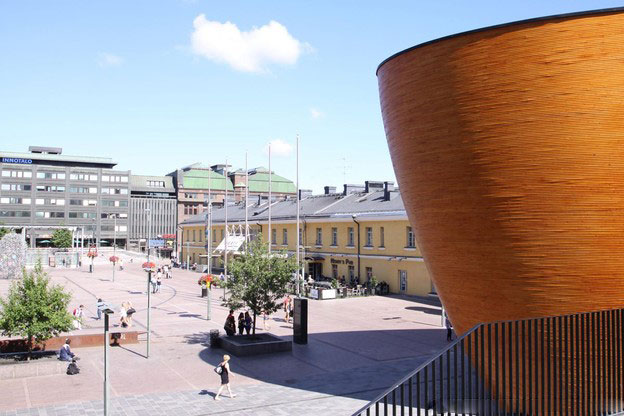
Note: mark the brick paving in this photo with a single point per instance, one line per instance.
(357, 348)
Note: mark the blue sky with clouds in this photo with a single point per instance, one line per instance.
(162, 84)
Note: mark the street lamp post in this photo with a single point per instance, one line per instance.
(114, 243)
(208, 205)
(149, 279)
(107, 311)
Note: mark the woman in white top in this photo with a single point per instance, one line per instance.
(123, 315)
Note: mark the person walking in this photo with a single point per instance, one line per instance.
(241, 323)
(129, 312)
(265, 316)
(78, 314)
(153, 283)
(98, 306)
(120, 264)
(449, 328)
(230, 324)
(223, 369)
(123, 315)
(248, 322)
(287, 308)
(158, 283)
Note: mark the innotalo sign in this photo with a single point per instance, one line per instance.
(17, 160)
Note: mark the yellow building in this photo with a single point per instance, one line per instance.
(360, 233)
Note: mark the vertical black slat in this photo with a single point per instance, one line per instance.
(447, 398)
(456, 387)
(368, 412)
(496, 398)
(606, 362)
(530, 366)
(477, 391)
(524, 383)
(594, 378)
(603, 361)
(613, 359)
(377, 408)
(542, 390)
(394, 401)
(503, 398)
(434, 394)
(489, 342)
(549, 341)
(610, 360)
(418, 402)
(469, 374)
(442, 384)
(517, 397)
(618, 343)
(402, 399)
(598, 375)
(385, 403)
(482, 381)
(584, 351)
(566, 333)
(536, 361)
(577, 320)
(462, 349)
(410, 400)
(448, 381)
(560, 372)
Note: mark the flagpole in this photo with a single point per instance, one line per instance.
(226, 224)
(270, 194)
(297, 235)
(246, 203)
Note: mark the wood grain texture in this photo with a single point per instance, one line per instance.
(508, 146)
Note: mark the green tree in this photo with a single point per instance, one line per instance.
(259, 279)
(4, 231)
(35, 309)
(62, 238)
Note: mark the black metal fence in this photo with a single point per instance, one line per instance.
(561, 365)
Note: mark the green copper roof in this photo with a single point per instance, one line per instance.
(198, 179)
(259, 182)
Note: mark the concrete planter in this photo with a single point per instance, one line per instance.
(246, 345)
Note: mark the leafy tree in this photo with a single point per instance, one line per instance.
(62, 238)
(4, 231)
(259, 279)
(34, 309)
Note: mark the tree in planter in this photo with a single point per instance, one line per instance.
(259, 279)
(34, 309)
(62, 238)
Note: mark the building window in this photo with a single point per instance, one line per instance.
(82, 215)
(381, 237)
(300, 236)
(16, 174)
(334, 236)
(14, 213)
(214, 236)
(82, 177)
(50, 188)
(47, 214)
(351, 273)
(50, 175)
(284, 236)
(335, 271)
(21, 201)
(350, 237)
(369, 236)
(156, 184)
(222, 234)
(15, 187)
(319, 236)
(369, 273)
(410, 238)
(273, 236)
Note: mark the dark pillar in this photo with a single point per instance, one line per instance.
(300, 321)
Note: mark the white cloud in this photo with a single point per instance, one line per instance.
(316, 113)
(108, 59)
(251, 51)
(278, 148)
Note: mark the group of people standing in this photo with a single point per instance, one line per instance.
(245, 323)
(156, 280)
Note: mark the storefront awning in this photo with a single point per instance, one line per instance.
(316, 257)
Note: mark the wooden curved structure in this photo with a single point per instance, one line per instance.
(508, 146)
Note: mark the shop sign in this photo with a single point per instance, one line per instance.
(340, 261)
(17, 160)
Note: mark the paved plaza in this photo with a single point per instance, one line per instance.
(357, 348)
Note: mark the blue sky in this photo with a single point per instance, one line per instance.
(123, 79)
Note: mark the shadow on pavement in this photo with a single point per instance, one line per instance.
(355, 364)
(430, 311)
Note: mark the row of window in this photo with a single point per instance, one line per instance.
(410, 241)
(156, 184)
(14, 213)
(59, 188)
(6, 173)
(60, 201)
(16, 174)
(190, 209)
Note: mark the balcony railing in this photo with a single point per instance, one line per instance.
(560, 365)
